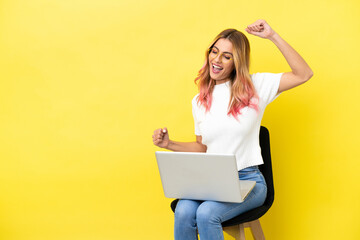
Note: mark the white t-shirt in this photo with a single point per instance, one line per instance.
(222, 133)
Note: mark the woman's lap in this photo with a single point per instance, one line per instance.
(223, 211)
(211, 213)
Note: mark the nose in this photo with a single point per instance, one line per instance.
(218, 58)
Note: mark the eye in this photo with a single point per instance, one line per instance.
(213, 51)
(227, 57)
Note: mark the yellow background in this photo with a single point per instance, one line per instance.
(84, 83)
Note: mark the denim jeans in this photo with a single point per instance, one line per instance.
(207, 216)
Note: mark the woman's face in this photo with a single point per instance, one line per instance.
(221, 61)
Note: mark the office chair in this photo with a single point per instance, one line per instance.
(251, 217)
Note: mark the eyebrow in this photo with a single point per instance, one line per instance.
(223, 52)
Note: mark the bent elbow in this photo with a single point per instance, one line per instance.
(309, 75)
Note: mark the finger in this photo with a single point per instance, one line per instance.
(261, 21)
(258, 27)
(156, 137)
(250, 31)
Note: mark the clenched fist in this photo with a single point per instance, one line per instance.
(261, 29)
(161, 137)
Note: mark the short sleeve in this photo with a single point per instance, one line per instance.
(195, 113)
(267, 85)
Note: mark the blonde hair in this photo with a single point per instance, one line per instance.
(243, 93)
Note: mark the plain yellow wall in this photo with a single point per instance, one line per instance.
(85, 82)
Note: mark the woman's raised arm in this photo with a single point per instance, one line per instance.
(301, 72)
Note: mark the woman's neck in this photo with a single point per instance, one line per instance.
(217, 82)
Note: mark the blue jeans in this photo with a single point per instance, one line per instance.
(207, 216)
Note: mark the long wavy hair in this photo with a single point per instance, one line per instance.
(243, 93)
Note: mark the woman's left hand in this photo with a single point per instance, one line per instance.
(261, 29)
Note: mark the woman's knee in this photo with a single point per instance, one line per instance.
(205, 215)
(185, 210)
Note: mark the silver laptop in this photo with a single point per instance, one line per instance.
(202, 176)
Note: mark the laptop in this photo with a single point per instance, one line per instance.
(202, 176)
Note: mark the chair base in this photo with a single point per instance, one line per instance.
(238, 231)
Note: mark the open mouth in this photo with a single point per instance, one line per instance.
(216, 68)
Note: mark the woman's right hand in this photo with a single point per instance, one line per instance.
(161, 137)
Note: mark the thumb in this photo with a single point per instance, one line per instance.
(164, 130)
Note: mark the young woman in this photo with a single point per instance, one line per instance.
(227, 114)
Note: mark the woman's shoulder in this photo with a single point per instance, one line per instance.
(194, 101)
(257, 77)
(260, 79)
(266, 85)
(261, 76)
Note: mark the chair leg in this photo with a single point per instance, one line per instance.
(235, 232)
(241, 232)
(256, 230)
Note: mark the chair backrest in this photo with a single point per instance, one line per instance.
(266, 168)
